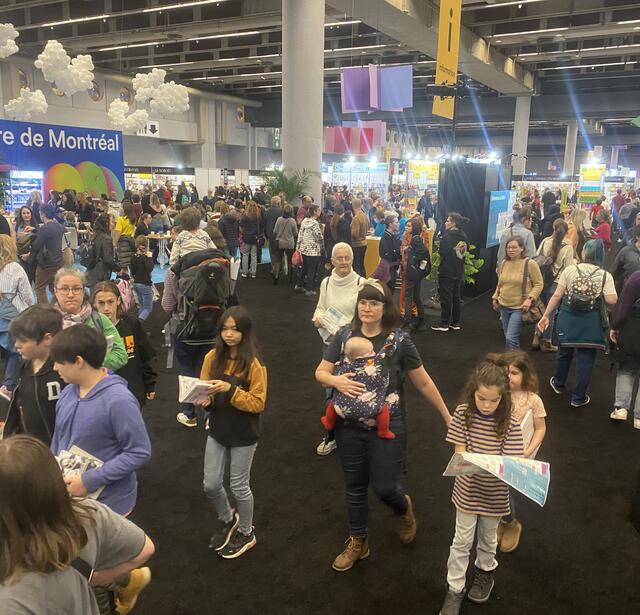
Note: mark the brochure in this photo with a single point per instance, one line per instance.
(77, 461)
(192, 390)
(332, 321)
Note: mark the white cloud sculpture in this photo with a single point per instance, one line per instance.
(28, 103)
(166, 98)
(70, 76)
(118, 110)
(7, 43)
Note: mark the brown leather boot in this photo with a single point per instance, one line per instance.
(511, 536)
(407, 525)
(356, 548)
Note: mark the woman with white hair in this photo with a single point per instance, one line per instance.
(338, 292)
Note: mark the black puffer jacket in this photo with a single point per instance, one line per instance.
(104, 262)
(229, 226)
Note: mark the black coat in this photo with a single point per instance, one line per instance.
(416, 254)
(104, 260)
(390, 247)
(229, 226)
(451, 265)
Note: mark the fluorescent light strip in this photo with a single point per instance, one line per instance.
(529, 32)
(195, 38)
(574, 51)
(574, 66)
(78, 20)
(180, 5)
(266, 75)
(337, 50)
(624, 23)
(269, 55)
(341, 23)
(497, 4)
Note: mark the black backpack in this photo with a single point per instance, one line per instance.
(545, 263)
(87, 254)
(204, 290)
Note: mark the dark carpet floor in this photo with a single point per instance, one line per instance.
(578, 554)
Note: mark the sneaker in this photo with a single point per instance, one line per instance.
(636, 423)
(357, 548)
(587, 400)
(481, 587)
(619, 414)
(439, 327)
(452, 603)
(223, 535)
(511, 533)
(310, 293)
(182, 418)
(407, 525)
(244, 275)
(128, 595)
(455, 327)
(6, 393)
(238, 545)
(555, 387)
(326, 447)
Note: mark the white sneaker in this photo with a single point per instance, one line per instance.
(326, 447)
(636, 423)
(182, 418)
(619, 414)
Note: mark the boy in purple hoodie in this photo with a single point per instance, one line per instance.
(97, 413)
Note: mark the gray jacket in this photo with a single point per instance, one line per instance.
(527, 236)
(286, 232)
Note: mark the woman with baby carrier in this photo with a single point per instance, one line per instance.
(365, 457)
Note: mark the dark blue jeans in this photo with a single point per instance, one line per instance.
(367, 459)
(189, 362)
(585, 358)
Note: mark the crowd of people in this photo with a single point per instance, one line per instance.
(79, 365)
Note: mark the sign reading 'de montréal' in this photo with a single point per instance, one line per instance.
(84, 159)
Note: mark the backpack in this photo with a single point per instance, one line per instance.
(204, 289)
(126, 293)
(87, 254)
(125, 249)
(545, 263)
(583, 293)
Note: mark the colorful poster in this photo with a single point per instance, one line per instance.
(422, 173)
(501, 204)
(447, 60)
(591, 183)
(83, 159)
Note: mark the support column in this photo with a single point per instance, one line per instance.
(302, 88)
(520, 134)
(570, 144)
(613, 164)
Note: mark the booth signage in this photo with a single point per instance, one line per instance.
(150, 129)
(83, 159)
(501, 203)
(447, 59)
(591, 182)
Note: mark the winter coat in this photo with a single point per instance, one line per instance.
(310, 240)
(229, 226)
(104, 260)
(453, 246)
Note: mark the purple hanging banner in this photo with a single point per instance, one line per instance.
(372, 88)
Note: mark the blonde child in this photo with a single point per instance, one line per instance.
(481, 424)
(523, 382)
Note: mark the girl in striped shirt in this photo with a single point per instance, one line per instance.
(482, 424)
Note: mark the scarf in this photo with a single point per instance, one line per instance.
(68, 320)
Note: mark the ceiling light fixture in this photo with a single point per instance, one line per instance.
(628, 21)
(497, 4)
(78, 20)
(341, 23)
(195, 38)
(356, 48)
(588, 65)
(544, 31)
(180, 5)
(584, 49)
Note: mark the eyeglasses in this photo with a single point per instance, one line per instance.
(74, 290)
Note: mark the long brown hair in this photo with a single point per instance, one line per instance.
(521, 361)
(41, 528)
(108, 287)
(492, 371)
(247, 349)
(251, 211)
(338, 211)
(129, 211)
(560, 229)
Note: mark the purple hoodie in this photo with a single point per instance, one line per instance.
(108, 424)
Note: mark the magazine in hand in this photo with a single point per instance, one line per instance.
(192, 390)
(77, 461)
(332, 321)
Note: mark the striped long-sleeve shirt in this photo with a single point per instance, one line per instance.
(483, 494)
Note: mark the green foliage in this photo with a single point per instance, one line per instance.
(292, 183)
(472, 264)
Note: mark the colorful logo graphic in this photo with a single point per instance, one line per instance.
(84, 177)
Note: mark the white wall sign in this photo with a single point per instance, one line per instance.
(151, 129)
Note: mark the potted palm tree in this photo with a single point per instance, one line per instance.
(293, 183)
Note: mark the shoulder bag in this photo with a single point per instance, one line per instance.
(536, 311)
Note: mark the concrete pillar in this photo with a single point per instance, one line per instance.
(520, 134)
(613, 164)
(570, 144)
(302, 88)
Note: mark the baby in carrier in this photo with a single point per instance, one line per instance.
(370, 408)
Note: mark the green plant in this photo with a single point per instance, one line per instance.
(292, 183)
(472, 264)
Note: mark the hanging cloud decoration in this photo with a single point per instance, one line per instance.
(70, 76)
(28, 103)
(7, 43)
(166, 98)
(170, 98)
(118, 110)
(146, 84)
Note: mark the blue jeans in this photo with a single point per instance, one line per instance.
(625, 381)
(585, 358)
(189, 362)
(11, 368)
(512, 326)
(145, 297)
(546, 296)
(239, 459)
(366, 458)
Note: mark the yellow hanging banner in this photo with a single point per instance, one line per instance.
(447, 60)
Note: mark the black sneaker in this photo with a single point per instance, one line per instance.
(440, 327)
(455, 327)
(452, 603)
(238, 545)
(223, 535)
(481, 587)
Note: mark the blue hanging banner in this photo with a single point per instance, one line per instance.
(82, 159)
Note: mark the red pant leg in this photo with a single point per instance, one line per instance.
(382, 422)
(330, 417)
